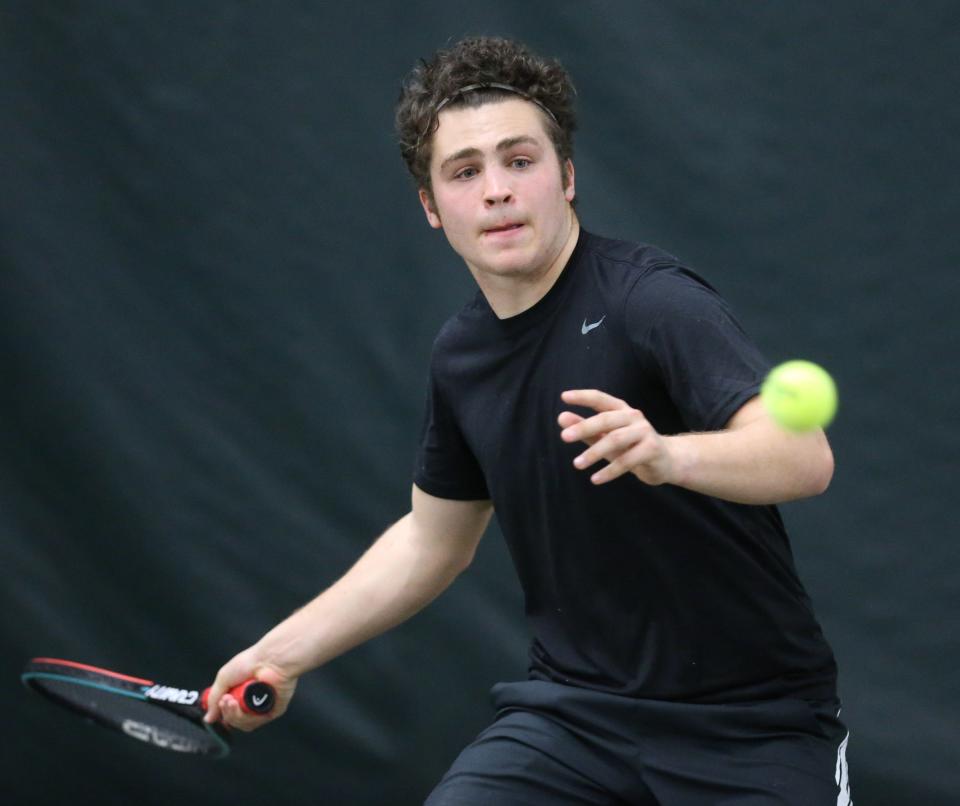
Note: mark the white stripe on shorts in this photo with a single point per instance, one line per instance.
(842, 775)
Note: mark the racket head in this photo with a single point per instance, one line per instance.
(120, 702)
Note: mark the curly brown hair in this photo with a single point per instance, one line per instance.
(487, 62)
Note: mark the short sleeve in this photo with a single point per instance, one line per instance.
(684, 332)
(445, 465)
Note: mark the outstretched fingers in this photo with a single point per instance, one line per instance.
(614, 444)
(593, 399)
(599, 424)
(633, 460)
(618, 434)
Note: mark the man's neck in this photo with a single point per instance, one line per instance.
(509, 296)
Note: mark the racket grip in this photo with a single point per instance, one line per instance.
(254, 696)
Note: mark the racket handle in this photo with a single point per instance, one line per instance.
(255, 697)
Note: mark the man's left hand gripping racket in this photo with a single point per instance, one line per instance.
(163, 716)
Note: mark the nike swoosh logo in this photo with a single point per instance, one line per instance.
(258, 701)
(585, 328)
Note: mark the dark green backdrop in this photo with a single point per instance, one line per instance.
(217, 299)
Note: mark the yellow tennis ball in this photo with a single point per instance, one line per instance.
(800, 395)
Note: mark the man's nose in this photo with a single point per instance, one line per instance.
(497, 189)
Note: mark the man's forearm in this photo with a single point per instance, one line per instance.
(751, 461)
(393, 580)
(758, 463)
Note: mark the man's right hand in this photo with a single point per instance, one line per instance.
(222, 706)
(407, 567)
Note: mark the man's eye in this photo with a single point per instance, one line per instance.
(520, 162)
(465, 173)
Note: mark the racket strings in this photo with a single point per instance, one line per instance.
(125, 709)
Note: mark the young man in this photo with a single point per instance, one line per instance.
(602, 399)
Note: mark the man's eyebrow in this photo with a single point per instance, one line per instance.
(503, 145)
(510, 142)
(462, 154)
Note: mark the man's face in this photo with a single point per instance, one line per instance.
(498, 189)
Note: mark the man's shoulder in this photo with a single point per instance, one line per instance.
(460, 328)
(635, 255)
(642, 271)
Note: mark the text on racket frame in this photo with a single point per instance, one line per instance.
(169, 694)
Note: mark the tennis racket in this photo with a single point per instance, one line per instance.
(163, 716)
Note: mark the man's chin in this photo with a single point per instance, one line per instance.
(506, 268)
(508, 261)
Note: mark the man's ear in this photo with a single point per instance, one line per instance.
(569, 188)
(429, 208)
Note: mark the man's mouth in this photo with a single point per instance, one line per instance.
(502, 228)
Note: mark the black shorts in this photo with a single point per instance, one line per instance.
(556, 744)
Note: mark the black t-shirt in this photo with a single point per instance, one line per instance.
(654, 592)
